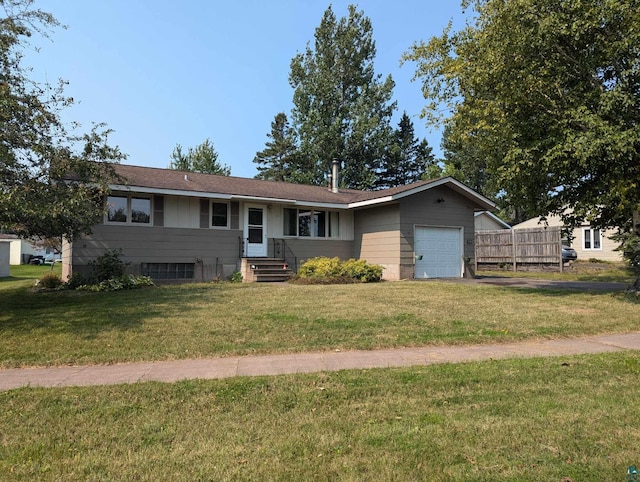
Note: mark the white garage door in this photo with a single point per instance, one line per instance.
(438, 252)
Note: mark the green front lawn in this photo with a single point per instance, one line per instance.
(203, 320)
(576, 271)
(570, 419)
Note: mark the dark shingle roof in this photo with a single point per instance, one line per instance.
(152, 179)
(168, 179)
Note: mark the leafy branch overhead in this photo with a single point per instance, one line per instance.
(37, 150)
(543, 96)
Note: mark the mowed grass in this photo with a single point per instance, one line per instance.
(204, 320)
(576, 271)
(527, 420)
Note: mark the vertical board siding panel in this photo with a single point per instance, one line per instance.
(170, 211)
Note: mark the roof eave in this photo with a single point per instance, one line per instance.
(484, 203)
(238, 197)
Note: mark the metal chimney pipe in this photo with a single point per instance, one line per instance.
(335, 166)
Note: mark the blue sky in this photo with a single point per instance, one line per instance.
(162, 73)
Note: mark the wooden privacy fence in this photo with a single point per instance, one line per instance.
(518, 247)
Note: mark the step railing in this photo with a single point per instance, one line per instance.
(282, 250)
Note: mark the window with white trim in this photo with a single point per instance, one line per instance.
(219, 214)
(592, 239)
(128, 209)
(310, 223)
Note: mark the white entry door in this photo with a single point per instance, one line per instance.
(255, 231)
(438, 252)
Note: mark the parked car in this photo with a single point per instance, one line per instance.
(568, 254)
(52, 258)
(36, 259)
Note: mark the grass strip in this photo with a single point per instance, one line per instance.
(527, 420)
(204, 320)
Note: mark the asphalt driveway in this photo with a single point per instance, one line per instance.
(545, 284)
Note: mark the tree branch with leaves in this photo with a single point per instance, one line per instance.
(52, 179)
(547, 93)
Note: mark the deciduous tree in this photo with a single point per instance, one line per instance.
(52, 178)
(548, 92)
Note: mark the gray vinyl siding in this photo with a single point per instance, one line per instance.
(377, 237)
(423, 209)
(215, 252)
(304, 249)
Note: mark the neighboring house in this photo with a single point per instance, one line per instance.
(589, 242)
(182, 225)
(20, 249)
(487, 221)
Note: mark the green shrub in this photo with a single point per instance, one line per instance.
(361, 270)
(324, 269)
(236, 277)
(75, 280)
(124, 282)
(108, 266)
(320, 267)
(107, 274)
(49, 281)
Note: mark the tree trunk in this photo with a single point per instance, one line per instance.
(636, 229)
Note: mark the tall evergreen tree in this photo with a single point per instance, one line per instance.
(203, 158)
(280, 159)
(407, 158)
(342, 109)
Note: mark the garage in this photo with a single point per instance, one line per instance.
(438, 252)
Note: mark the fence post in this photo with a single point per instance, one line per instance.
(515, 250)
(560, 246)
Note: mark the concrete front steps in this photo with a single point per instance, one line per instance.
(264, 270)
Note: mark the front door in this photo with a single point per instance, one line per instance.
(255, 231)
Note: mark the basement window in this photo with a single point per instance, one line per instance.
(160, 271)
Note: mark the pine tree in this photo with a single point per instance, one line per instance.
(342, 109)
(407, 159)
(280, 160)
(203, 158)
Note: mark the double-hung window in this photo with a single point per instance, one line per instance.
(311, 223)
(219, 214)
(592, 239)
(128, 209)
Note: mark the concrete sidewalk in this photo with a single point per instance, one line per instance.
(214, 368)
